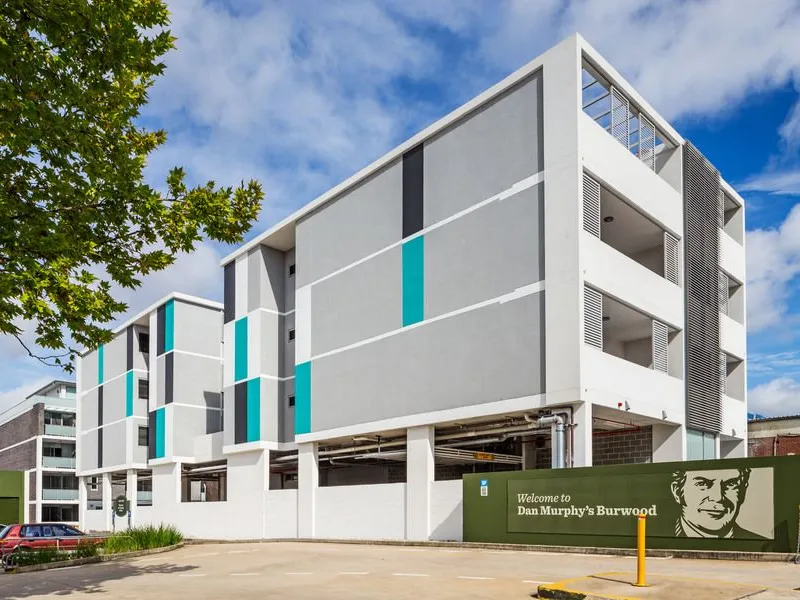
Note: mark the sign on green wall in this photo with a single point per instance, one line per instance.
(736, 504)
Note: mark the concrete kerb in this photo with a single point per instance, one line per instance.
(75, 562)
(652, 553)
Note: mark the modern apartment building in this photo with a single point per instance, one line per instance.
(548, 277)
(37, 436)
(126, 426)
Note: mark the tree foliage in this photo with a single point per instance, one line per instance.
(76, 215)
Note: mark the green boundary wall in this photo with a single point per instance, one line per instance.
(12, 497)
(748, 504)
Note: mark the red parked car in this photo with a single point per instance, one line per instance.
(33, 536)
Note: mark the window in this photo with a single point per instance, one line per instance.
(291, 335)
(144, 389)
(93, 484)
(31, 531)
(291, 400)
(144, 434)
(291, 270)
(144, 342)
(700, 445)
(204, 482)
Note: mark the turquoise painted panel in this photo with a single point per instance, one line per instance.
(169, 326)
(129, 394)
(100, 362)
(254, 410)
(160, 433)
(240, 349)
(302, 400)
(414, 281)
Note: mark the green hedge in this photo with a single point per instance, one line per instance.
(41, 556)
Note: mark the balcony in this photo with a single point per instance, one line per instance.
(732, 337)
(60, 495)
(58, 462)
(60, 430)
(731, 256)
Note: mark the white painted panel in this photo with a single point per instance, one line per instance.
(227, 353)
(302, 339)
(241, 272)
(611, 381)
(616, 275)
(734, 417)
(255, 342)
(612, 164)
(731, 256)
(367, 512)
(94, 521)
(280, 514)
(732, 337)
(446, 510)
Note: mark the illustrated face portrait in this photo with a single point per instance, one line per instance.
(710, 500)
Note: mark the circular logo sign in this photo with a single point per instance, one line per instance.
(120, 506)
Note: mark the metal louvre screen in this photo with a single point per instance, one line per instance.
(660, 347)
(701, 248)
(620, 117)
(647, 142)
(723, 293)
(593, 317)
(672, 254)
(721, 209)
(591, 206)
(723, 373)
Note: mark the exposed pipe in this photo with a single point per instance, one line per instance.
(558, 444)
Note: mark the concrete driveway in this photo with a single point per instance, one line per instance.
(303, 570)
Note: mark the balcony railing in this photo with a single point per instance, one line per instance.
(59, 494)
(58, 462)
(62, 430)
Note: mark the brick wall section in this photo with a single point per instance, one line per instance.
(622, 448)
(21, 428)
(19, 458)
(768, 446)
(32, 485)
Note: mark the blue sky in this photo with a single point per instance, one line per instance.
(302, 94)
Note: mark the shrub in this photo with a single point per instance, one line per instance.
(143, 538)
(26, 557)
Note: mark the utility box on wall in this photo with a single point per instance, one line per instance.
(12, 497)
(733, 504)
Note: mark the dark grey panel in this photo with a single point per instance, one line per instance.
(357, 304)
(701, 185)
(161, 326)
(266, 279)
(487, 253)
(484, 355)
(129, 348)
(240, 413)
(485, 153)
(100, 448)
(151, 435)
(169, 377)
(99, 405)
(230, 291)
(413, 163)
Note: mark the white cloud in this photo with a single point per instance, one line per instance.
(773, 262)
(17, 394)
(778, 397)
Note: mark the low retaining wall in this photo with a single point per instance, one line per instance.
(95, 559)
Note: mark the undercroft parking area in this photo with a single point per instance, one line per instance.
(306, 571)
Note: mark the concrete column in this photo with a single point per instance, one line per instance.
(419, 481)
(131, 482)
(39, 488)
(83, 495)
(582, 436)
(105, 482)
(669, 442)
(307, 484)
(528, 455)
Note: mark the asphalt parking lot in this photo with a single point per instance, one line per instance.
(304, 570)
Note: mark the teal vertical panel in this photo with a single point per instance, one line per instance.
(302, 400)
(254, 409)
(240, 349)
(413, 281)
(100, 361)
(129, 394)
(169, 326)
(160, 433)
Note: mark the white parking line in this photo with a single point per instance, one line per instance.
(299, 573)
(411, 549)
(243, 574)
(354, 573)
(476, 578)
(454, 551)
(192, 575)
(204, 554)
(410, 574)
(535, 582)
(241, 551)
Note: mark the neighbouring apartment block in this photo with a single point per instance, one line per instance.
(37, 437)
(548, 277)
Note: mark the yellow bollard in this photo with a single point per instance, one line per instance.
(640, 567)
